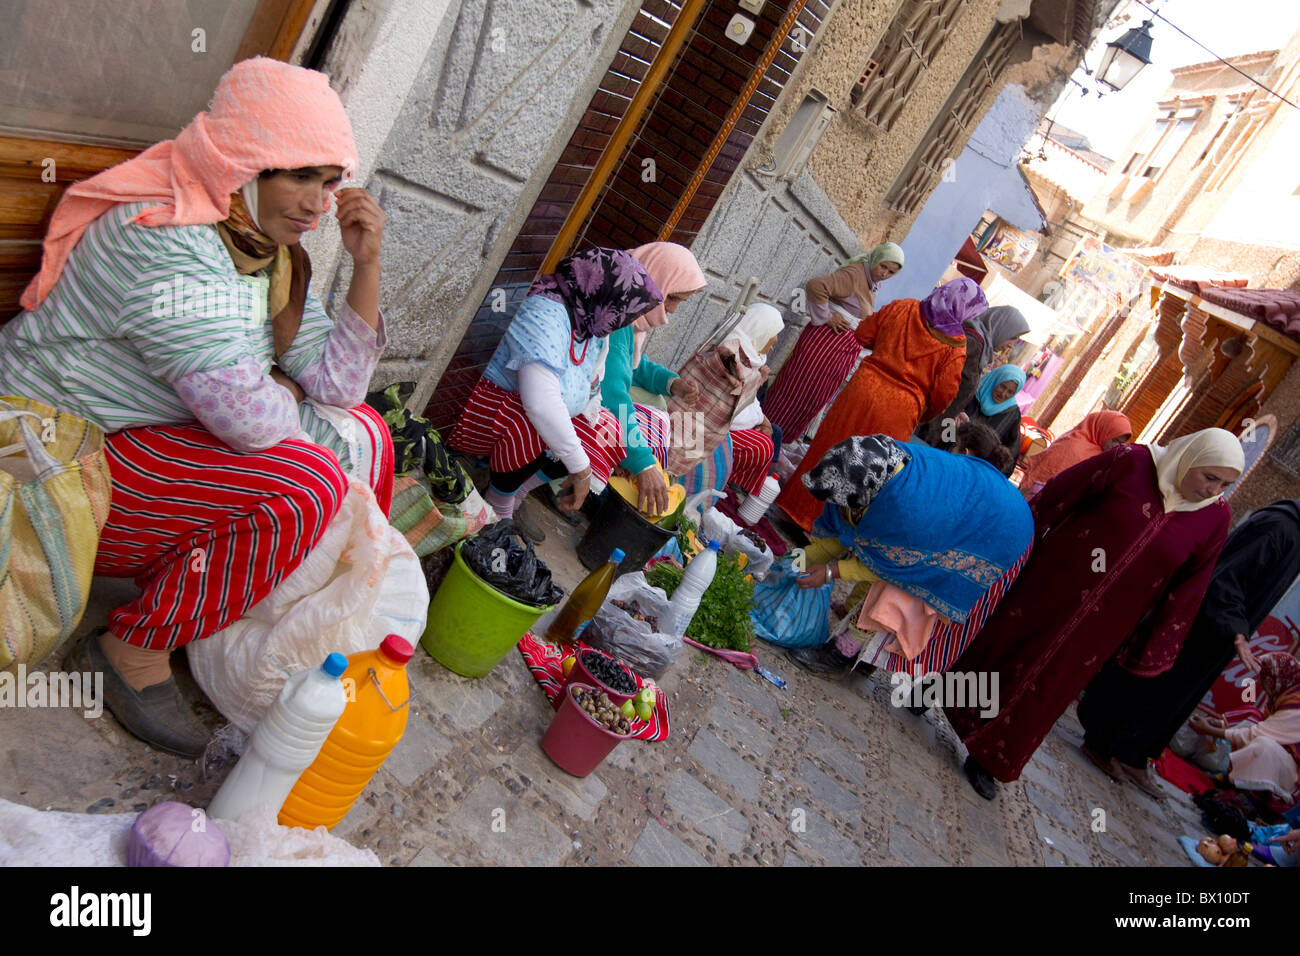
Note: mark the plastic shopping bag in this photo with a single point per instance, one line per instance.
(360, 583)
(788, 615)
(620, 630)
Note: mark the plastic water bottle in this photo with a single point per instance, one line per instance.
(285, 743)
(360, 742)
(699, 575)
(755, 506)
(585, 601)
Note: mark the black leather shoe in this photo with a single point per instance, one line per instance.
(980, 779)
(157, 715)
(824, 660)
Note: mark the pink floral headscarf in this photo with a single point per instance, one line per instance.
(603, 290)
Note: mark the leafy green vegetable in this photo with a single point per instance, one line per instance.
(664, 575)
(723, 618)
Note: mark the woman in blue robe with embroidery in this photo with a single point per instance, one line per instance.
(891, 519)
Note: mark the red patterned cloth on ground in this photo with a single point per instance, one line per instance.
(544, 660)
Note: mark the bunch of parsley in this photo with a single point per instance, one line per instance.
(723, 618)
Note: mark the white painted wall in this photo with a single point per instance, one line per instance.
(1264, 208)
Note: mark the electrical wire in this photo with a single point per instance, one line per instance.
(1160, 16)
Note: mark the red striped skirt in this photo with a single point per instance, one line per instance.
(207, 531)
(818, 366)
(495, 424)
(751, 459)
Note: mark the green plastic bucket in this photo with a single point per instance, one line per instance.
(472, 625)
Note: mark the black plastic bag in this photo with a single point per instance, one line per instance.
(502, 557)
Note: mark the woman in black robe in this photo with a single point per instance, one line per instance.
(1129, 720)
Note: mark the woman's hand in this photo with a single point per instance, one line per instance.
(688, 393)
(652, 492)
(763, 372)
(578, 485)
(1208, 726)
(361, 224)
(1290, 841)
(1247, 656)
(765, 426)
(839, 323)
(285, 381)
(815, 577)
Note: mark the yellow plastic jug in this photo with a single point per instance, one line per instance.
(372, 723)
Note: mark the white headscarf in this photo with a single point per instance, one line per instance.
(1208, 448)
(761, 324)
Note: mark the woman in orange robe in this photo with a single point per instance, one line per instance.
(918, 350)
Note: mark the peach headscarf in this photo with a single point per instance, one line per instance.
(1080, 443)
(674, 270)
(264, 115)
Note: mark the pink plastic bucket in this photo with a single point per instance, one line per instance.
(580, 675)
(574, 741)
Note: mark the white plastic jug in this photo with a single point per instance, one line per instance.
(286, 741)
(699, 575)
(755, 506)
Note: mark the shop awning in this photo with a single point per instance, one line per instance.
(1044, 322)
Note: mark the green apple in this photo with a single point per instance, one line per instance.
(645, 703)
(628, 709)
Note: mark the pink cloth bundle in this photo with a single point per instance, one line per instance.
(896, 612)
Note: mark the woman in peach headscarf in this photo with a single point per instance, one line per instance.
(1098, 432)
(679, 276)
(172, 310)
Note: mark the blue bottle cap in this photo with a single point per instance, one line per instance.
(715, 545)
(617, 556)
(335, 664)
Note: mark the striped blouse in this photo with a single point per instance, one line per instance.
(153, 326)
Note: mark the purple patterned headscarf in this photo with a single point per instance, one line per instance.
(603, 290)
(948, 306)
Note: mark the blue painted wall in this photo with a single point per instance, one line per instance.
(983, 177)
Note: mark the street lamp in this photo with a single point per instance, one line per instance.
(1125, 57)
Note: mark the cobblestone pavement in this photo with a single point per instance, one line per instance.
(817, 773)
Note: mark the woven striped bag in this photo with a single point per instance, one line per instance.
(54, 497)
(726, 384)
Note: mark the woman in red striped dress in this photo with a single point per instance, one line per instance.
(223, 479)
(824, 355)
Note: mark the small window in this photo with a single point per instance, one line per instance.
(1144, 147)
(1175, 135)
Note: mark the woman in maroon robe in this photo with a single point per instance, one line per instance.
(1125, 544)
